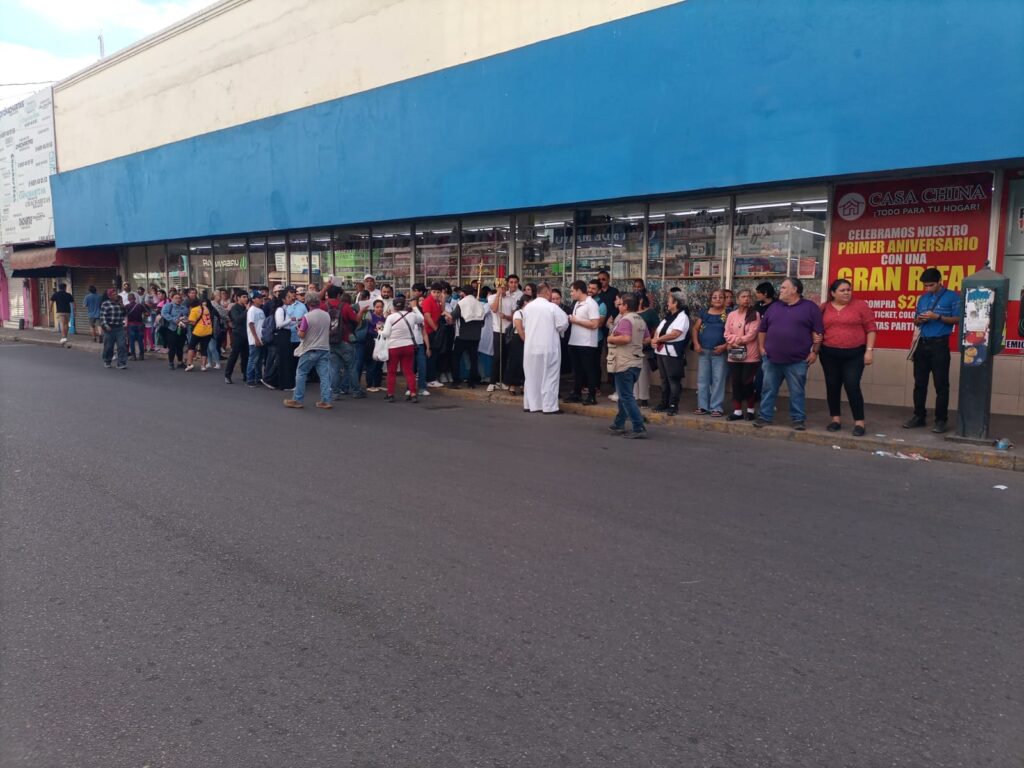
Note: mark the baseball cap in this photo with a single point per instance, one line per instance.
(369, 277)
(278, 288)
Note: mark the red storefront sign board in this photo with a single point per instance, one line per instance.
(886, 233)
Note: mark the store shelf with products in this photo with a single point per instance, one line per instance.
(392, 266)
(350, 266)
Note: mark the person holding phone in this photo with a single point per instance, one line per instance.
(938, 310)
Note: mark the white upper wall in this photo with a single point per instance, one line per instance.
(241, 60)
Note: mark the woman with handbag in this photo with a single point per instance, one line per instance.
(669, 344)
(710, 346)
(848, 345)
(401, 337)
(374, 367)
(513, 375)
(741, 328)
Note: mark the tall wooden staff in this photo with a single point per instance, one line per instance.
(501, 325)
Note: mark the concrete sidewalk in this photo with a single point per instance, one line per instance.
(884, 431)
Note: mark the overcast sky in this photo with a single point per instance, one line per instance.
(51, 39)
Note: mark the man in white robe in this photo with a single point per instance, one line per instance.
(543, 323)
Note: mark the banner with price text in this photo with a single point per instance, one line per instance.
(886, 233)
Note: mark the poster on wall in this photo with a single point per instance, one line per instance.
(1013, 261)
(28, 158)
(886, 233)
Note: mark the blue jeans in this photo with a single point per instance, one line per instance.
(358, 363)
(342, 363)
(374, 373)
(795, 375)
(421, 366)
(254, 369)
(628, 409)
(213, 347)
(319, 359)
(115, 338)
(711, 381)
(136, 334)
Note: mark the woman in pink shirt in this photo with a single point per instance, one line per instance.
(741, 328)
(848, 346)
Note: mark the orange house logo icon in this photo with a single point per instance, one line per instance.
(851, 206)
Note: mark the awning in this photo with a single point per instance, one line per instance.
(53, 262)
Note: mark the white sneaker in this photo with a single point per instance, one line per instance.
(614, 397)
(501, 386)
(490, 387)
(216, 366)
(64, 340)
(435, 383)
(425, 393)
(189, 368)
(205, 368)
(407, 393)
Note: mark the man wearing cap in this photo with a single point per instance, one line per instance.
(938, 310)
(112, 319)
(314, 351)
(370, 283)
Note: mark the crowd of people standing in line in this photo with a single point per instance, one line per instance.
(526, 337)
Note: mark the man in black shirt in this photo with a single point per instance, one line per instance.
(607, 295)
(63, 301)
(239, 335)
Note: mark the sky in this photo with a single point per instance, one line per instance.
(43, 40)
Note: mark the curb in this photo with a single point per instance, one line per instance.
(74, 344)
(991, 459)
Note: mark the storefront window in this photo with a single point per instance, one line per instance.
(610, 239)
(319, 257)
(202, 265)
(136, 273)
(156, 264)
(687, 247)
(258, 262)
(298, 259)
(780, 234)
(544, 244)
(392, 256)
(277, 260)
(231, 263)
(351, 257)
(437, 251)
(178, 262)
(485, 245)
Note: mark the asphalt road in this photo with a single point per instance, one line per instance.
(193, 575)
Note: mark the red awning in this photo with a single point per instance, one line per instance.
(44, 258)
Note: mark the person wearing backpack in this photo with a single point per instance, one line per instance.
(343, 362)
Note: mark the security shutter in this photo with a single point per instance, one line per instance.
(81, 279)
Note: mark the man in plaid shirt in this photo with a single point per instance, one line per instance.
(112, 321)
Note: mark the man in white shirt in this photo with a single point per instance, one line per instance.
(387, 295)
(502, 305)
(370, 283)
(583, 344)
(254, 317)
(543, 324)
